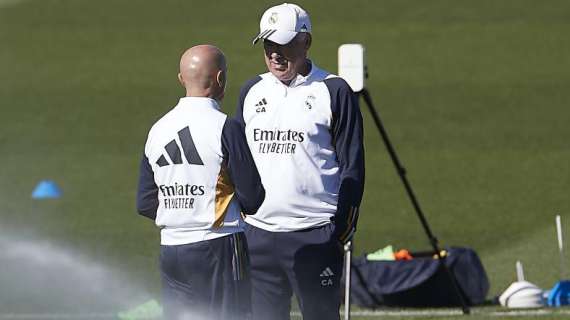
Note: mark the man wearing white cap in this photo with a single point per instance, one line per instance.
(304, 129)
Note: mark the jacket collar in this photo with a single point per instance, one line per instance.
(199, 102)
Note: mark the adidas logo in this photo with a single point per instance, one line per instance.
(327, 273)
(260, 106)
(326, 277)
(262, 102)
(173, 151)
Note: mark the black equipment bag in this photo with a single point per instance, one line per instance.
(420, 282)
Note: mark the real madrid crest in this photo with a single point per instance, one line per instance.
(310, 102)
(273, 18)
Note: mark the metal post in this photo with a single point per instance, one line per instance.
(347, 267)
(402, 173)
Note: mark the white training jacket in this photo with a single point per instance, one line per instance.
(306, 140)
(197, 174)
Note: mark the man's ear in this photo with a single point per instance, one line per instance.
(180, 79)
(221, 78)
(308, 41)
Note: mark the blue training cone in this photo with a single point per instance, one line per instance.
(46, 189)
(560, 294)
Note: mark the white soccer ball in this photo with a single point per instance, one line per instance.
(522, 294)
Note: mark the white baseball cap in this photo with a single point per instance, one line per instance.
(281, 23)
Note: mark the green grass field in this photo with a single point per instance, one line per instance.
(474, 95)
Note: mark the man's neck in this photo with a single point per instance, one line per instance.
(199, 93)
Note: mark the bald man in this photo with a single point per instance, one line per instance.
(196, 176)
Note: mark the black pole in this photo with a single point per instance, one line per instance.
(402, 173)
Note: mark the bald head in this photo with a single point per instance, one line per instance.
(203, 72)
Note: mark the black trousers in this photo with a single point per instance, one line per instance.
(307, 263)
(206, 280)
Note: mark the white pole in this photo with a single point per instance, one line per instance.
(561, 247)
(347, 266)
(520, 271)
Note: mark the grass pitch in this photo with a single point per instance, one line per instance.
(473, 94)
